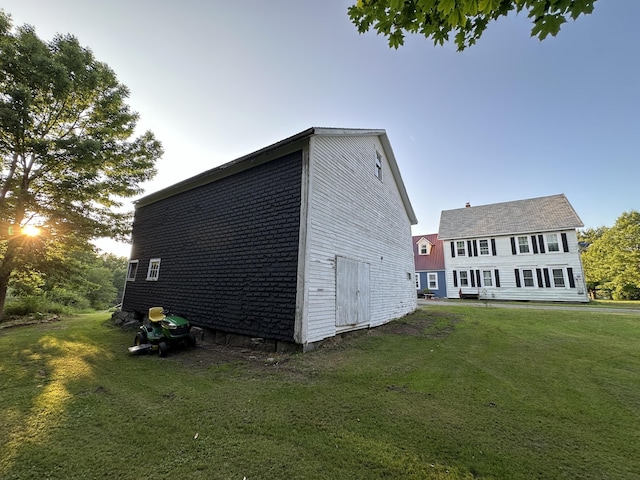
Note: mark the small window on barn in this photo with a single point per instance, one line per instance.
(154, 269)
(378, 165)
(132, 270)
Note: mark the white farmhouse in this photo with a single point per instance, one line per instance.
(520, 250)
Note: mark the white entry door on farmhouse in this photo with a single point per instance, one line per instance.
(352, 292)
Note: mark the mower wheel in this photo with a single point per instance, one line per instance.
(140, 339)
(163, 349)
(191, 340)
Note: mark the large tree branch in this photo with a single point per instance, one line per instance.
(6, 182)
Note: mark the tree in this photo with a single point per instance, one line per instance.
(588, 236)
(117, 267)
(67, 146)
(86, 276)
(612, 260)
(76, 277)
(467, 19)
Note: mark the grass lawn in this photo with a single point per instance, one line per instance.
(631, 304)
(454, 392)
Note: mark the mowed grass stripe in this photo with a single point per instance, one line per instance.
(451, 392)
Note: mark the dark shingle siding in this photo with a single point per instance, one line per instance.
(229, 251)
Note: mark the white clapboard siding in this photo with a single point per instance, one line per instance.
(506, 263)
(353, 215)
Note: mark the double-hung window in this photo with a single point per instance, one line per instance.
(558, 277)
(527, 277)
(432, 280)
(460, 248)
(523, 245)
(464, 278)
(153, 273)
(552, 242)
(424, 247)
(484, 247)
(487, 278)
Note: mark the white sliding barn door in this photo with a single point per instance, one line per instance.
(352, 292)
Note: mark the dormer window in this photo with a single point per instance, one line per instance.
(424, 247)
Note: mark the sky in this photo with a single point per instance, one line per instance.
(507, 119)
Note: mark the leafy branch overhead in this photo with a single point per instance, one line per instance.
(465, 19)
(69, 153)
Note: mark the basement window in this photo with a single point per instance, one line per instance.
(154, 269)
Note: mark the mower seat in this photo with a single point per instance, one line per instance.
(156, 314)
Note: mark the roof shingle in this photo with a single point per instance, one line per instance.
(540, 214)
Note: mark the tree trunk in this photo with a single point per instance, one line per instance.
(6, 269)
(4, 284)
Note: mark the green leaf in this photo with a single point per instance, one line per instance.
(435, 19)
(426, 5)
(548, 24)
(396, 4)
(446, 7)
(469, 7)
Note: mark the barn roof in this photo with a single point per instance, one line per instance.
(276, 150)
(540, 214)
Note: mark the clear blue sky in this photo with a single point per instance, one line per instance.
(508, 119)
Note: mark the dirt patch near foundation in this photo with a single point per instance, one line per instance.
(208, 353)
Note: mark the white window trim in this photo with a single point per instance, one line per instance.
(490, 270)
(464, 247)
(488, 247)
(132, 278)
(528, 245)
(565, 276)
(558, 242)
(466, 278)
(424, 243)
(429, 275)
(150, 270)
(418, 286)
(533, 277)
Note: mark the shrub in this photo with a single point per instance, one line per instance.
(68, 298)
(26, 306)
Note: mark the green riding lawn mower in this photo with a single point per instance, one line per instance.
(162, 332)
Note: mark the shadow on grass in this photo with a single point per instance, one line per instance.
(45, 370)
